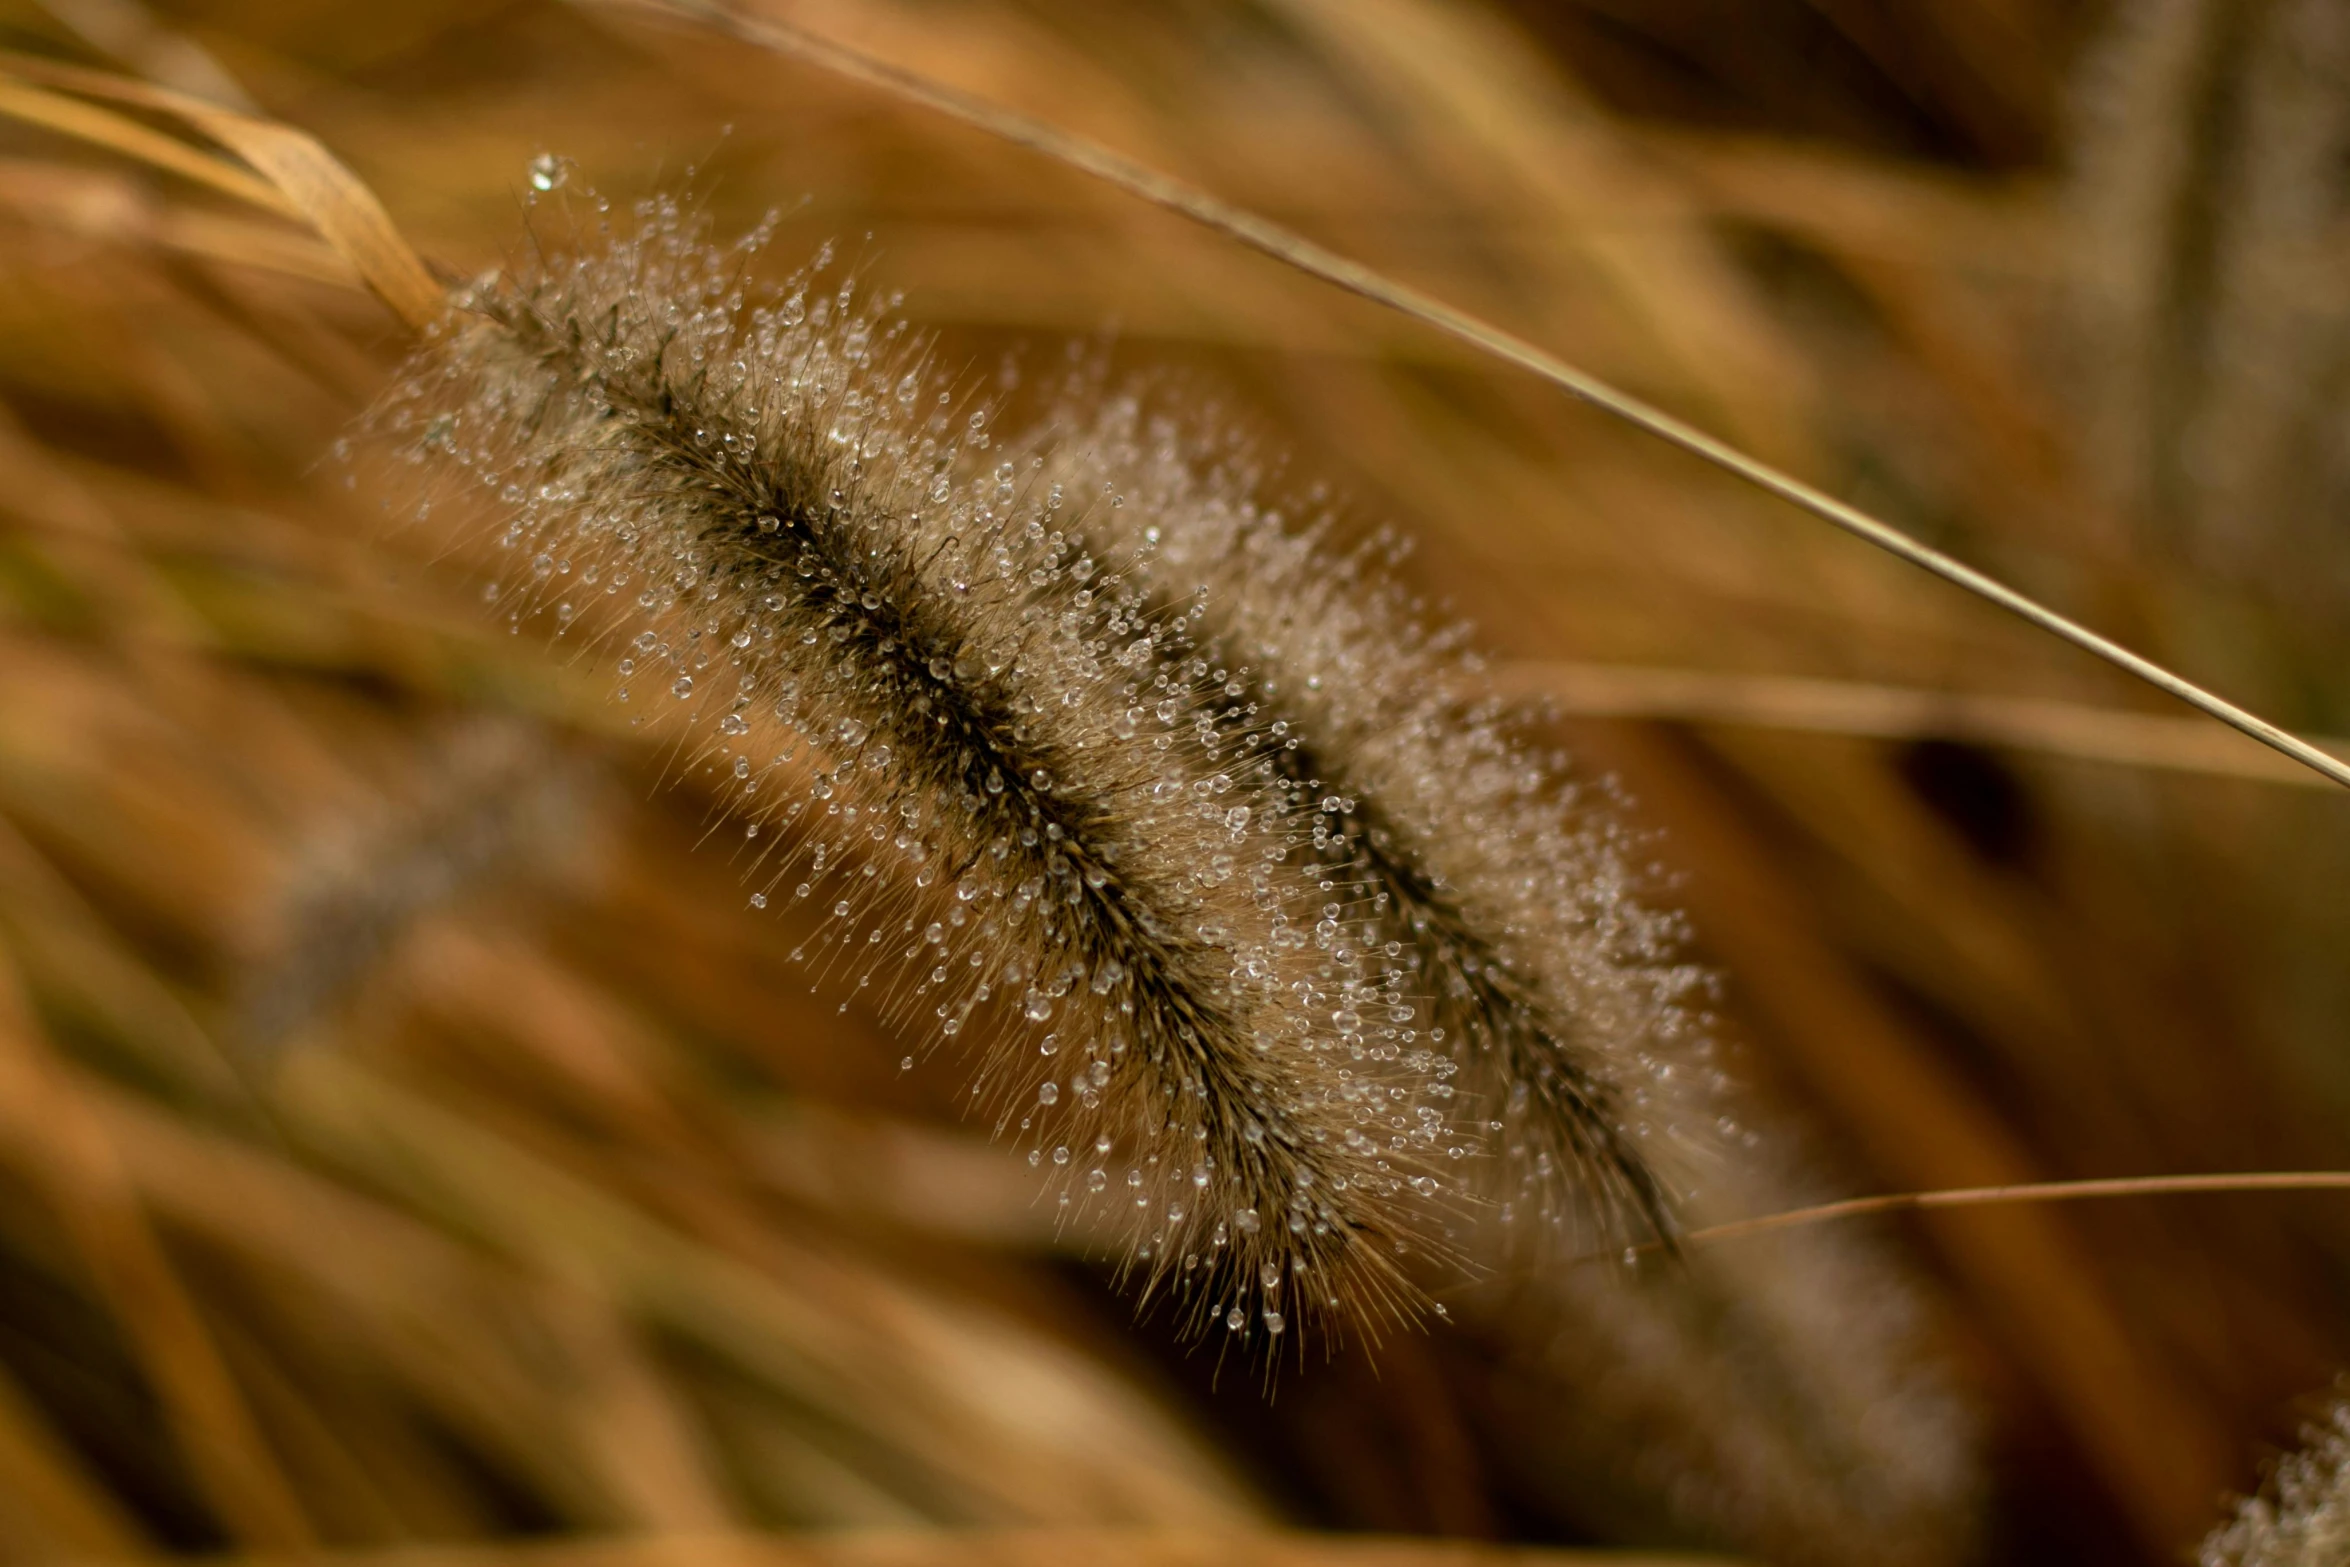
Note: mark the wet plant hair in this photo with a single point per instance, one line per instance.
(1256, 976)
(993, 771)
(1512, 886)
(2302, 1516)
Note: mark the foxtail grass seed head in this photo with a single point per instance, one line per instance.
(2302, 1517)
(2209, 202)
(1003, 768)
(497, 802)
(1510, 890)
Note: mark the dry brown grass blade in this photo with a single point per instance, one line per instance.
(832, 1361)
(121, 210)
(1013, 1548)
(48, 1507)
(1890, 212)
(631, 1416)
(2076, 730)
(900, 1173)
(418, 1296)
(303, 178)
(1295, 250)
(78, 1165)
(102, 127)
(1458, 72)
(2146, 1432)
(2031, 1192)
(129, 31)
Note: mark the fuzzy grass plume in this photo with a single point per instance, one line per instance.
(2211, 203)
(1004, 773)
(1547, 980)
(2302, 1519)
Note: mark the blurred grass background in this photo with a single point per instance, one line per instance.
(408, 1138)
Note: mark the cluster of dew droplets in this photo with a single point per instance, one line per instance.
(1536, 951)
(922, 597)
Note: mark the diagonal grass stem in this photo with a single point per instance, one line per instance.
(1295, 250)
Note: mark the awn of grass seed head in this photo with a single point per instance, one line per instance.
(1508, 889)
(996, 769)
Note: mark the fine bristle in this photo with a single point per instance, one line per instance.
(1012, 773)
(1505, 884)
(2302, 1519)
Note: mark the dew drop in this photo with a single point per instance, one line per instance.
(548, 172)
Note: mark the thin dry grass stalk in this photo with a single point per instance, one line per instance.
(1295, 250)
(2031, 1192)
(2078, 731)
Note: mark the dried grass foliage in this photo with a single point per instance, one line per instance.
(532, 1212)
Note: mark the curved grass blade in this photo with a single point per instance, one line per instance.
(302, 178)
